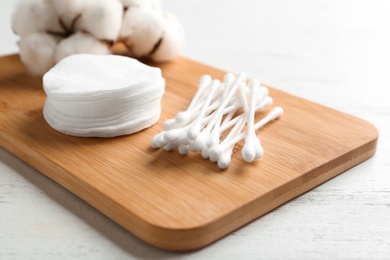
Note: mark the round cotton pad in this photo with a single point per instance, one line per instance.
(102, 95)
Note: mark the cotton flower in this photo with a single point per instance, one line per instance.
(93, 27)
(102, 19)
(172, 40)
(149, 33)
(37, 51)
(80, 43)
(69, 12)
(35, 16)
(142, 30)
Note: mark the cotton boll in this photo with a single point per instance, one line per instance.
(172, 41)
(69, 11)
(102, 19)
(142, 30)
(153, 4)
(35, 15)
(80, 43)
(37, 51)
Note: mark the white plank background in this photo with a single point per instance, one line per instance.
(334, 52)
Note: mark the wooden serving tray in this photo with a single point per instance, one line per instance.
(180, 202)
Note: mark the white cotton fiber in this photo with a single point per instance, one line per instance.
(142, 29)
(69, 11)
(172, 41)
(102, 19)
(80, 43)
(35, 16)
(37, 51)
(94, 27)
(152, 4)
(102, 95)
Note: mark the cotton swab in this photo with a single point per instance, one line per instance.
(158, 140)
(252, 148)
(214, 156)
(212, 111)
(218, 151)
(203, 84)
(162, 139)
(196, 126)
(182, 116)
(213, 137)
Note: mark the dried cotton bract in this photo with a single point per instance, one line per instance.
(94, 27)
(121, 97)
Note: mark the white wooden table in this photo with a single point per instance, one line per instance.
(333, 52)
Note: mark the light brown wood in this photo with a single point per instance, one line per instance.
(182, 202)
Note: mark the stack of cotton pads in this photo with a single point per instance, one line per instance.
(102, 95)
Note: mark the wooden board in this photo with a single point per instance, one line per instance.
(181, 202)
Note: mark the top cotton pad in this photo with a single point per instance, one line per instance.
(102, 95)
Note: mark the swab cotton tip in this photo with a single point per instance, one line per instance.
(194, 131)
(275, 113)
(158, 141)
(199, 142)
(205, 152)
(225, 160)
(204, 81)
(183, 117)
(102, 96)
(169, 124)
(183, 149)
(215, 152)
(173, 134)
(259, 152)
(229, 78)
(248, 152)
(264, 90)
(170, 147)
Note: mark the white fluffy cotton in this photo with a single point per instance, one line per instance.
(37, 51)
(172, 41)
(80, 43)
(142, 29)
(153, 4)
(94, 27)
(102, 19)
(102, 95)
(69, 11)
(35, 16)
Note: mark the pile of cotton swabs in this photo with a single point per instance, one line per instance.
(214, 110)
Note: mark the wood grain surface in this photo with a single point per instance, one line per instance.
(181, 202)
